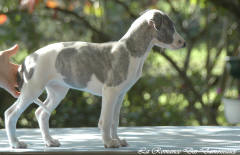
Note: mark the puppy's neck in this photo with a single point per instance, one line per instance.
(138, 38)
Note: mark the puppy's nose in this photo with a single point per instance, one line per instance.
(184, 45)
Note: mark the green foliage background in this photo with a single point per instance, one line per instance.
(177, 87)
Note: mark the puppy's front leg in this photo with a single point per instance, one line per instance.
(115, 123)
(109, 99)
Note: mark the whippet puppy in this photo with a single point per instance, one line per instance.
(103, 69)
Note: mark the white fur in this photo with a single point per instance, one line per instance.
(94, 86)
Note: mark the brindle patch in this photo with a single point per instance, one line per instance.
(23, 70)
(78, 64)
(165, 28)
(138, 43)
(19, 80)
(29, 74)
(119, 62)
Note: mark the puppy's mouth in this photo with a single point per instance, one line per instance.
(174, 47)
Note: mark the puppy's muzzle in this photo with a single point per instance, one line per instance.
(181, 43)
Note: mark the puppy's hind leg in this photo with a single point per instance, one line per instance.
(12, 114)
(55, 93)
(40, 109)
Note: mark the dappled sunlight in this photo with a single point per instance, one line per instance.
(207, 138)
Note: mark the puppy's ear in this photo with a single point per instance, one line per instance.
(156, 21)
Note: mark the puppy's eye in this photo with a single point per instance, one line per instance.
(179, 41)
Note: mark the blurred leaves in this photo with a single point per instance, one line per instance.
(51, 4)
(3, 19)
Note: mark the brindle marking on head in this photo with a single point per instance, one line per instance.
(139, 40)
(165, 27)
(77, 65)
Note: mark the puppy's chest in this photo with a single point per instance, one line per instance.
(134, 70)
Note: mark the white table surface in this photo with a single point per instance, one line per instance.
(142, 140)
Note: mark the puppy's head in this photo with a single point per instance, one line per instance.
(164, 32)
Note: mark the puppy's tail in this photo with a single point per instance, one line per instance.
(39, 102)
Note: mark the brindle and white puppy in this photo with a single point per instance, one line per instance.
(104, 69)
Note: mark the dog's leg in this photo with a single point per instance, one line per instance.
(109, 99)
(115, 123)
(12, 114)
(39, 109)
(55, 94)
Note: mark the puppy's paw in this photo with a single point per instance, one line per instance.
(123, 142)
(114, 143)
(52, 142)
(19, 145)
(100, 124)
